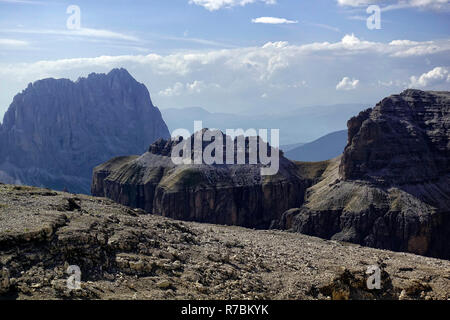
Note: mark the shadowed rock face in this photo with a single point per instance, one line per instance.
(391, 188)
(404, 139)
(225, 194)
(56, 131)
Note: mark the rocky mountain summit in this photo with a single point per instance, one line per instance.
(390, 189)
(403, 140)
(56, 131)
(125, 253)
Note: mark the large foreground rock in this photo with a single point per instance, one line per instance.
(126, 254)
(56, 131)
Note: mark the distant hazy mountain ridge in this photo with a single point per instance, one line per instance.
(56, 130)
(324, 148)
(298, 125)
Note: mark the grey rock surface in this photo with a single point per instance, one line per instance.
(124, 253)
(404, 139)
(56, 131)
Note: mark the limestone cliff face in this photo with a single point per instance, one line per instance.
(222, 194)
(56, 131)
(391, 187)
(404, 139)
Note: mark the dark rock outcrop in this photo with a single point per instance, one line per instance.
(403, 140)
(56, 131)
(391, 187)
(232, 194)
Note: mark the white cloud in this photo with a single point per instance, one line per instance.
(392, 83)
(403, 43)
(277, 44)
(12, 43)
(347, 84)
(197, 41)
(273, 20)
(175, 90)
(437, 76)
(358, 18)
(258, 62)
(98, 33)
(195, 87)
(234, 79)
(83, 32)
(398, 4)
(23, 1)
(350, 40)
(323, 26)
(355, 3)
(213, 5)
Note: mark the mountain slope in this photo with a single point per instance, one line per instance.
(292, 146)
(56, 131)
(324, 148)
(127, 254)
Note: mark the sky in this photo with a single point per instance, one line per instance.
(236, 56)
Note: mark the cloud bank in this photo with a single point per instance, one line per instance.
(261, 78)
(439, 75)
(273, 20)
(347, 84)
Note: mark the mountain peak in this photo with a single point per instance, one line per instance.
(58, 120)
(121, 73)
(402, 140)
